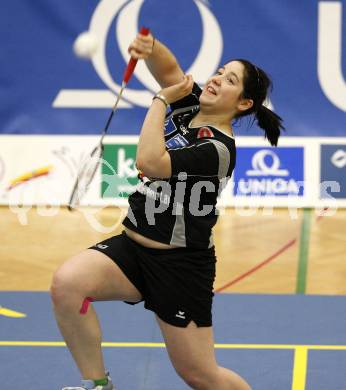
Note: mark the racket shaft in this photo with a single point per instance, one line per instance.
(112, 112)
(87, 173)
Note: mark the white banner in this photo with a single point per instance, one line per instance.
(40, 170)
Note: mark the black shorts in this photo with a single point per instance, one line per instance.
(176, 284)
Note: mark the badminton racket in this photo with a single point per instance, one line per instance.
(90, 164)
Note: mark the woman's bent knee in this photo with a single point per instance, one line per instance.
(195, 382)
(91, 274)
(66, 287)
(60, 289)
(198, 380)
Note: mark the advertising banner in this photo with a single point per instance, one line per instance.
(333, 171)
(118, 171)
(269, 172)
(47, 88)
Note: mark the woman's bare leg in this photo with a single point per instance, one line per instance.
(191, 351)
(89, 274)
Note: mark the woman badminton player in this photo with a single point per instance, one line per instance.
(165, 256)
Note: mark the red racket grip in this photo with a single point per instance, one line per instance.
(133, 62)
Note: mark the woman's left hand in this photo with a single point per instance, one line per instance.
(178, 91)
(141, 47)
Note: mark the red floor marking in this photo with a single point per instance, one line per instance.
(258, 266)
(266, 261)
(85, 305)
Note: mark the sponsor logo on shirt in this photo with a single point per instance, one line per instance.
(265, 172)
(170, 126)
(154, 193)
(178, 141)
(205, 132)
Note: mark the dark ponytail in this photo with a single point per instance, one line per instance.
(270, 122)
(257, 86)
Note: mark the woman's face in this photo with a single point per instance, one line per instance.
(222, 92)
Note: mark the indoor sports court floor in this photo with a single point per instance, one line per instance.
(279, 309)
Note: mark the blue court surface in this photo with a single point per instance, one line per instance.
(277, 342)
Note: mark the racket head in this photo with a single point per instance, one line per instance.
(85, 176)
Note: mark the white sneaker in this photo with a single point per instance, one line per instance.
(90, 385)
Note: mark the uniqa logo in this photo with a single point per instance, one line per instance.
(261, 168)
(127, 12)
(267, 163)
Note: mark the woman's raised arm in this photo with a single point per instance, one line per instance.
(159, 59)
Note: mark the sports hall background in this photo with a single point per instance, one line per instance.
(281, 237)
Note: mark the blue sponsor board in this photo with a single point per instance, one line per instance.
(333, 171)
(46, 89)
(269, 172)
